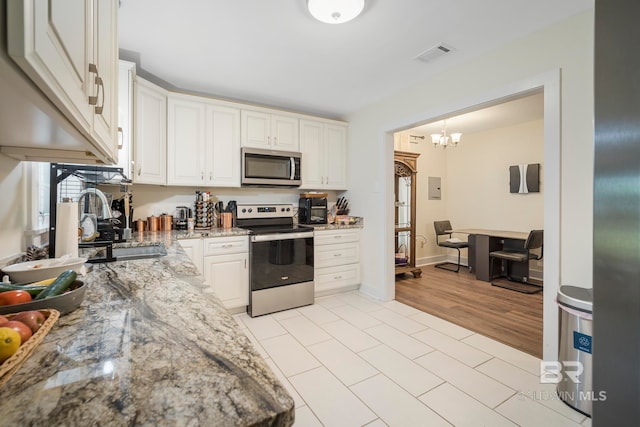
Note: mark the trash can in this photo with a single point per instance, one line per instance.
(575, 385)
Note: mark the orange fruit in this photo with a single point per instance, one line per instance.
(9, 343)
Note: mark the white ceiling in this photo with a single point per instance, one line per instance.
(513, 112)
(272, 52)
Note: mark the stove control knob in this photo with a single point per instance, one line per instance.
(250, 210)
(288, 209)
(244, 210)
(281, 209)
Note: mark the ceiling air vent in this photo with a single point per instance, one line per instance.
(434, 53)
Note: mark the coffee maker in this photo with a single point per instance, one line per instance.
(312, 208)
(181, 218)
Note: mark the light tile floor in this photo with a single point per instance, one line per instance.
(350, 360)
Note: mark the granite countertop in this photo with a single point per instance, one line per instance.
(146, 347)
(320, 227)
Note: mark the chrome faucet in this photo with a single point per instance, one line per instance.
(106, 208)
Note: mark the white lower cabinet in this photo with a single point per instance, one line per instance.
(336, 260)
(226, 269)
(193, 248)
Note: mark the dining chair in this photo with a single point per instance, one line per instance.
(443, 228)
(507, 257)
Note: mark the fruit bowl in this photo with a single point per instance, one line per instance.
(12, 364)
(43, 269)
(64, 303)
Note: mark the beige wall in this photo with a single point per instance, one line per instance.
(13, 217)
(564, 49)
(476, 190)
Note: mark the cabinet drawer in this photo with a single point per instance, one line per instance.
(337, 277)
(334, 255)
(336, 236)
(226, 245)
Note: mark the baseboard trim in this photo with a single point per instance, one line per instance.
(420, 262)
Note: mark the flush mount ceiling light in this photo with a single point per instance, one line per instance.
(442, 139)
(335, 11)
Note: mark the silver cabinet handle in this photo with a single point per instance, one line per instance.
(202, 176)
(93, 100)
(121, 138)
(337, 278)
(337, 255)
(210, 176)
(98, 110)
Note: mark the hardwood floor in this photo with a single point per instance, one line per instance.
(512, 318)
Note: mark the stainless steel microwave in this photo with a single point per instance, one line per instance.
(270, 168)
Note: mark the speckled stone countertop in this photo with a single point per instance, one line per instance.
(147, 347)
(321, 227)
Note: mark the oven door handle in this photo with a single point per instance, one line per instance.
(281, 236)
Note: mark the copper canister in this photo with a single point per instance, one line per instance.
(154, 223)
(165, 222)
(140, 225)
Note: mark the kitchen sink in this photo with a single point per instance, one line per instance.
(139, 252)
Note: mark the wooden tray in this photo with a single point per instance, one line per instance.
(12, 364)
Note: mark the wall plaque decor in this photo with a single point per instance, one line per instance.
(524, 178)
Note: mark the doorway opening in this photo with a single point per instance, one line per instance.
(473, 192)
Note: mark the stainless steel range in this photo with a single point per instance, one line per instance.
(281, 258)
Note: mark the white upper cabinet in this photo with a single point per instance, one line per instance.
(105, 57)
(185, 141)
(324, 150)
(69, 48)
(203, 143)
(269, 131)
(222, 131)
(150, 143)
(126, 73)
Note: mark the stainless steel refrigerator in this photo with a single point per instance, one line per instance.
(616, 245)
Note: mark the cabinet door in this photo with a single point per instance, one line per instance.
(126, 71)
(335, 156)
(256, 129)
(193, 248)
(228, 277)
(222, 146)
(105, 57)
(311, 141)
(150, 144)
(284, 133)
(52, 43)
(185, 141)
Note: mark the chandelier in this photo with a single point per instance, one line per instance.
(442, 139)
(335, 11)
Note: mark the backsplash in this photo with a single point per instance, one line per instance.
(154, 200)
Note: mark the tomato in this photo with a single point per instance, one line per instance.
(19, 327)
(3, 319)
(14, 297)
(33, 319)
(9, 343)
